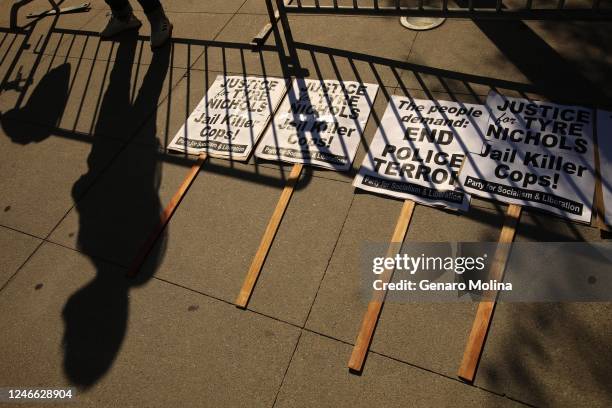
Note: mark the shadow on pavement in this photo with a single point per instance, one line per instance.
(53, 86)
(96, 316)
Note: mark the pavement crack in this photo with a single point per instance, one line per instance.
(331, 256)
(297, 343)
(10, 279)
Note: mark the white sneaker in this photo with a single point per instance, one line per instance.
(161, 29)
(116, 26)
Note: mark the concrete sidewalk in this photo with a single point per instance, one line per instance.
(85, 176)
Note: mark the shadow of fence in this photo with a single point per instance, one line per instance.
(73, 85)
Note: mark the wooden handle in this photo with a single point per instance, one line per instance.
(165, 217)
(599, 208)
(370, 319)
(268, 237)
(484, 314)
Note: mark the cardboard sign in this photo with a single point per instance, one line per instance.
(230, 118)
(536, 154)
(418, 150)
(319, 123)
(604, 141)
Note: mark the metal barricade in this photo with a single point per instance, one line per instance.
(475, 9)
(589, 10)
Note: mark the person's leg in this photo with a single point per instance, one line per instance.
(147, 5)
(120, 8)
(161, 28)
(122, 18)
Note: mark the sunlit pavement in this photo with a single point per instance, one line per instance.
(84, 177)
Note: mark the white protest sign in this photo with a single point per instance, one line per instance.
(319, 123)
(537, 154)
(604, 141)
(230, 118)
(418, 150)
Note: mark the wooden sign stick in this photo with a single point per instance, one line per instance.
(598, 204)
(370, 319)
(268, 237)
(484, 314)
(166, 216)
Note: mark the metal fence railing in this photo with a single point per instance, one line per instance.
(477, 9)
(589, 10)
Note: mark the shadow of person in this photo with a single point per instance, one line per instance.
(45, 106)
(111, 219)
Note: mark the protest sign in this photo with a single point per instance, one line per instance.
(230, 118)
(226, 123)
(319, 123)
(418, 150)
(536, 154)
(604, 142)
(416, 154)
